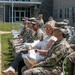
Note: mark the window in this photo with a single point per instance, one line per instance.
(19, 13)
(21, 0)
(60, 13)
(56, 13)
(72, 9)
(67, 12)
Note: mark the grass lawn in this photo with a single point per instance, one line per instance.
(8, 26)
(7, 57)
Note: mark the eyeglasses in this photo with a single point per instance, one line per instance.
(47, 28)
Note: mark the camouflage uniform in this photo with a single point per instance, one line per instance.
(15, 41)
(37, 35)
(71, 64)
(27, 36)
(51, 65)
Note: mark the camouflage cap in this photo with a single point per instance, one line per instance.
(40, 15)
(25, 18)
(61, 27)
(34, 21)
(66, 21)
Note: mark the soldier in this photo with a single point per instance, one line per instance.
(51, 65)
(40, 19)
(37, 36)
(51, 20)
(20, 38)
(42, 46)
(27, 34)
(70, 64)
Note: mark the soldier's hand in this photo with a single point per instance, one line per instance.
(73, 53)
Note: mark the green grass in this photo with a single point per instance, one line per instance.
(6, 50)
(7, 57)
(8, 26)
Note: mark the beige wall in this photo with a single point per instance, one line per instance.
(63, 4)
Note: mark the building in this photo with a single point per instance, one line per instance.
(21, 8)
(47, 9)
(59, 9)
(63, 9)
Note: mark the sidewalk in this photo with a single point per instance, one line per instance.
(2, 32)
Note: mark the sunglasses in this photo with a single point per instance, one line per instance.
(47, 28)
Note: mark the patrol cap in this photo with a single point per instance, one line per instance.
(34, 21)
(66, 21)
(61, 27)
(25, 18)
(40, 15)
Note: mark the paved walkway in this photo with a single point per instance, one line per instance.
(2, 32)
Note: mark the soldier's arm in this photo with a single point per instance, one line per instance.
(54, 58)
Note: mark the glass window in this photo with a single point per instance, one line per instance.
(72, 9)
(19, 13)
(56, 13)
(22, 14)
(17, 19)
(21, 0)
(60, 13)
(67, 12)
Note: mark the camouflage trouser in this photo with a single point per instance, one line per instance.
(70, 64)
(16, 42)
(41, 71)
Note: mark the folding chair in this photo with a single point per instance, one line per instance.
(63, 71)
(15, 33)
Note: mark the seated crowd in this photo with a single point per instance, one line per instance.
(41, 48)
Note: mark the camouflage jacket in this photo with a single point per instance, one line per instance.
(27, 35)
(55, 55)
(23, 31)
(39, 35)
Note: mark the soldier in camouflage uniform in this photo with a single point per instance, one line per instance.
(28, 37)
(42, 47)
(51, 65)
(71, 64)
(19, 39)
